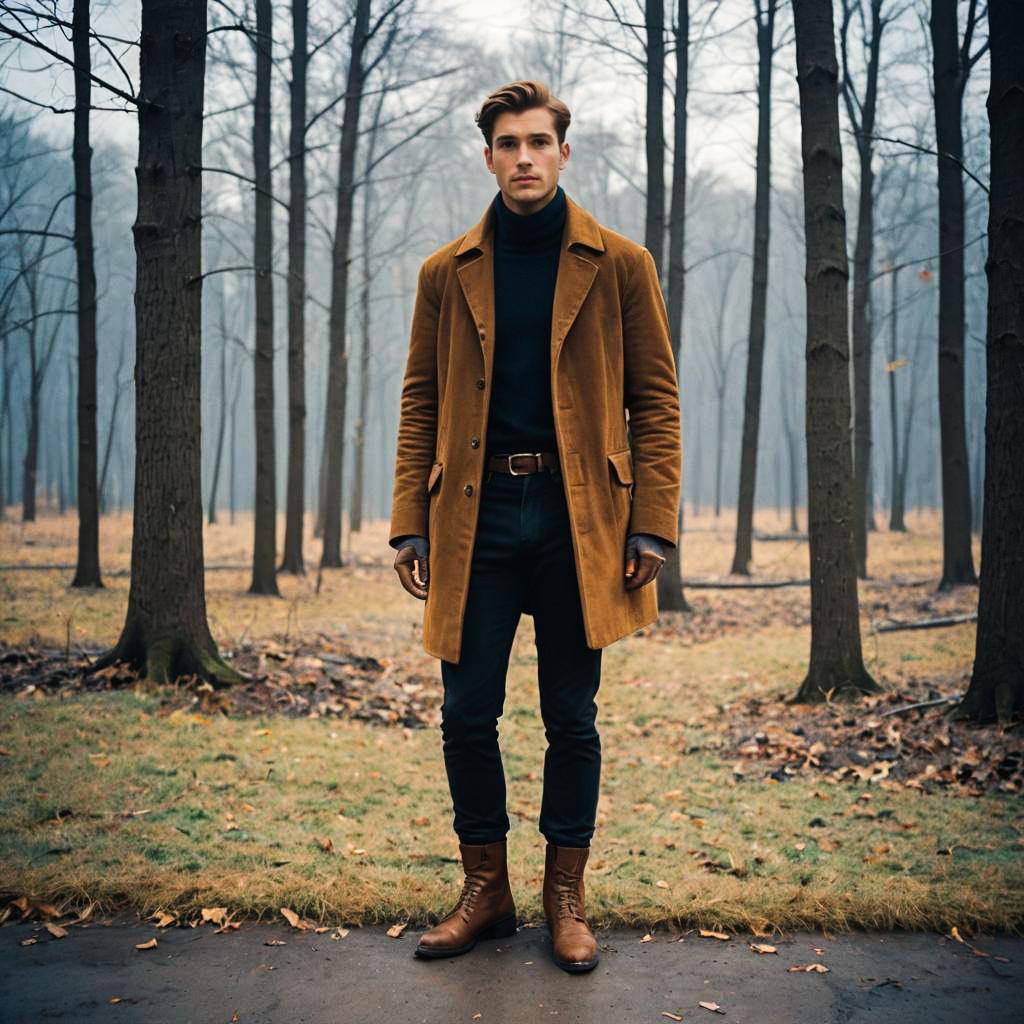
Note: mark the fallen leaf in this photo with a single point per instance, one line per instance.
(810, 968)
(661, 883)
(275, 942)
(326, 844)
(647, 938)
(114, 999)
(713, 1007)
(762, 947)
(56, 931)
(215, 914)
(706, 933)
(146, 945)
(671, 1016)
(395, 931)
(292, 918)
(956, 935)
(28, 942)
(163, 919)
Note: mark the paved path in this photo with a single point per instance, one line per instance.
(196, 975)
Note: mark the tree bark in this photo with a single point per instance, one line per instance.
(166, 634)
(896, 522)
(669, 581)
(861, 113)
(355, 514)
(758, 292)
(836, 666)
(87, 573)
(222, 418)
(264, 549)
(293, 560)
(996, 690)
(337, 374)
(950, 77)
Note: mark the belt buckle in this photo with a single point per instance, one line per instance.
(536, 455)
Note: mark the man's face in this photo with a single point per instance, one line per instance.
(526, 158)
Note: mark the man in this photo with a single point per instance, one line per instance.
(517, 488)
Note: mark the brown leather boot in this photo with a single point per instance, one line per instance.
(485, 909)
(575, 948)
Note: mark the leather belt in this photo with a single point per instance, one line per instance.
(521, 463)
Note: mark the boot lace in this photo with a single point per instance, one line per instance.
(467, 898)
(569, 897)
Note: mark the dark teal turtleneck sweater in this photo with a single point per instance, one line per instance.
(526, 250)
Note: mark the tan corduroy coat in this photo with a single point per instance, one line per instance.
(611, 363)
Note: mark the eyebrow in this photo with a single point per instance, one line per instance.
(532, 135)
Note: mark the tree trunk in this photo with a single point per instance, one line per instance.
(109, 446)
(949, 80)
(669, 581)
(222, 419)
(337, 373)
(355, 514)
(837, 665)
(996, 690)
(264, 549)
(862, 120)
(758, 294)
(793, 453)
(293, 560)
(896, 523)
(166, 634)
(87, 573)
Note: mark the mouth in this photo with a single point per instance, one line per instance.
(524, 181)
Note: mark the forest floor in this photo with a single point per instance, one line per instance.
(319, 787)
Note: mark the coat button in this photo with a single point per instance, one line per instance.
(480, 383)
(482, 335)
(474, 442)
(468, 488)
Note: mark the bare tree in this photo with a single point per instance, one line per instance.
(996, 690)
(861, 109)
(264, 549)
(952, 63)
(293, 560)
(765, 24)
(837, 664)
(166, 633)
(669, 581)
(87, 573)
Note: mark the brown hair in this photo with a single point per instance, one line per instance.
(517, 97)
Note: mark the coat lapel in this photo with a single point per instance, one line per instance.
(576, 274)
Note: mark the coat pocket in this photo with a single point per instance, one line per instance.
(622, 463)
(435, 475)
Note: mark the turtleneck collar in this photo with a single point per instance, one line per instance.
(532, 230)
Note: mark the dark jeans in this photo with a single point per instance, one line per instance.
(523, 561)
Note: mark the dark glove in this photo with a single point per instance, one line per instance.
(413, 565)
(645, 555)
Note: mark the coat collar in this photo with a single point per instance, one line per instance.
(576, 274)
(580, 226)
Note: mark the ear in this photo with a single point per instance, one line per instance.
(565, 155)
(488, 160)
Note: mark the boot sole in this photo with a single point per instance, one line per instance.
(502, 929)
(577, 966)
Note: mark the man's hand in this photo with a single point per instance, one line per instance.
(644, 557)
(413, 565)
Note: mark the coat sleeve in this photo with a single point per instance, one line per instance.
(651, 394)
(417, 425)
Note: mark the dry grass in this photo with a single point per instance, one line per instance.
(233, 808)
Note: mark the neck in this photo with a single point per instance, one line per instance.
(538, 230)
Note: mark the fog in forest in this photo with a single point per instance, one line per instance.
(421, 181)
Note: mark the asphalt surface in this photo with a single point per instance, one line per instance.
(197, 975)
